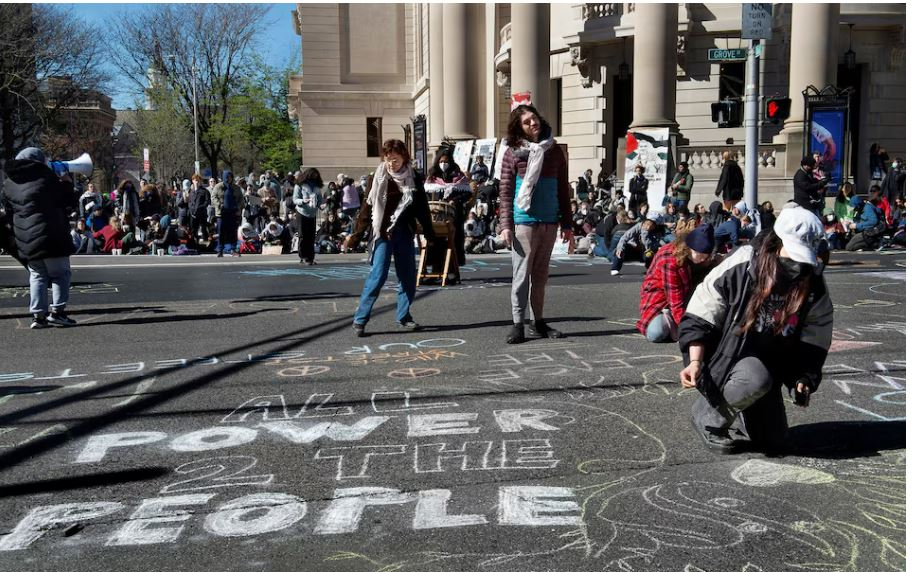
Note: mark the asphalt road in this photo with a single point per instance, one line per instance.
(220, 415)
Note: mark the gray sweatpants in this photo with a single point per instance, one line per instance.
(531, 250)
(753, 405)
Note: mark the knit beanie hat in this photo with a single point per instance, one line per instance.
(31, 154)
(702, 239)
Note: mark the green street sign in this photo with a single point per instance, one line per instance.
(735, 55)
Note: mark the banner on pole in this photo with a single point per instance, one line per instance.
(649, 148)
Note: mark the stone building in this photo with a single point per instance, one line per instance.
(83, 125)
(595, 71)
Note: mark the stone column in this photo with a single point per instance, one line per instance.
(457, 59)
(654, 66)
(813, 57)
(436, 120)
(531, 52)
(491, 38)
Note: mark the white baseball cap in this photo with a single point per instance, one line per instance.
(654, 216)
(800, 231)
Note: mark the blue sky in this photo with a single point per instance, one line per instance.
(283, 41)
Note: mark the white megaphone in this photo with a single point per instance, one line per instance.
(82, 165)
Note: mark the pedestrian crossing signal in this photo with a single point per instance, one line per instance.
(727, 113)
(777, 108)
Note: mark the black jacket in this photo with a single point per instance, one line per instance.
(198, 202)
(39, 204)
(808, 190)
(731, 182)
(716, 310)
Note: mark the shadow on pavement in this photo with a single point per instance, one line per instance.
(83, 481)
(11, 457)
(497, 324)
(295, 297)
(146, 320)
(847, 439)
(25, 389)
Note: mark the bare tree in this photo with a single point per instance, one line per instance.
(38, 42)
(177, 40)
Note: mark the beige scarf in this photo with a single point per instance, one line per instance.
(536, 153)
(378, 197)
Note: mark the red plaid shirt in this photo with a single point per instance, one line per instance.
(666, 285)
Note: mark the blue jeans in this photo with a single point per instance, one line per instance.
(658, 331)
(600, 249)
(401, 246)
(678, 203)
(54, 271)
(617, 261)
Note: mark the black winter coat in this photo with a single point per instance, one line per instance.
(38, 204)
(731, 182)
(808, 190)
(198, 202)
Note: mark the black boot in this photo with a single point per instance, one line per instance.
(540, 329)
(516, 334)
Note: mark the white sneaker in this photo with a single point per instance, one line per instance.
(615, 272)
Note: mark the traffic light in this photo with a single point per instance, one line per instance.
(727, 113)
(777, 109)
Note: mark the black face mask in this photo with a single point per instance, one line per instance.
(792, 270)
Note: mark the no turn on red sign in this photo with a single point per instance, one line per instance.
(756, 21)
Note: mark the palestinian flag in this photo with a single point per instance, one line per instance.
(633, 139)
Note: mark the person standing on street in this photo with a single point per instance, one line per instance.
(534, 198)
(731, 182)
(39, 204)
(307, 198)
(639, 189)
(229, 201)
(809, 192)
(681, 185)
(198, 202)
(395, 204)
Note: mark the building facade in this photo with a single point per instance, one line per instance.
(595, 71)
(83, 125)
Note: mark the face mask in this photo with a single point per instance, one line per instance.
(894, 165)
(793, 270)
(443, 167)
(830, 218)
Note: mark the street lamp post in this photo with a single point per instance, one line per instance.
(194, 90)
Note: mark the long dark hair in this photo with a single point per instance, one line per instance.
(767, 274)
(312, 177)
(435, 171)
(514, 133)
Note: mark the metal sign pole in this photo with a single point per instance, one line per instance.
(751, 116)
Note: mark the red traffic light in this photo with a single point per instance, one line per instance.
(777, 108)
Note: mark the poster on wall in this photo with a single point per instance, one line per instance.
(462, 154)
(827, 137)
(649, 148)
(419, 142)
(487, 149)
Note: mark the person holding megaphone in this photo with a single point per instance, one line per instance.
(38, 199)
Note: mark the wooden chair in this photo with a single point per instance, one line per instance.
(443, 215)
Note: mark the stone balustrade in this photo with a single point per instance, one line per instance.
(602, 10)
(770, 158)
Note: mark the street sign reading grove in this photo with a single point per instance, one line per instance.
(756, 21)
(734, 55)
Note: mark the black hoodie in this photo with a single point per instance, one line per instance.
(39, 204)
